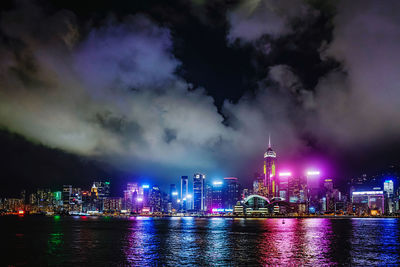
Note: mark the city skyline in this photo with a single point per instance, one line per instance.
(128, 90)
(274, 191)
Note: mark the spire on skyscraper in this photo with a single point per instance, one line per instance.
(269, 140)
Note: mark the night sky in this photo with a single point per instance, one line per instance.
(152, 90)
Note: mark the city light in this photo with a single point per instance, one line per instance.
(145, 186)
(189, 196)
(174, 193)
(285, 174)
(313, 173)
(139, 199)
(21, 212)
(222, 210)
(217, 183)
(368, 193)
(179, 201)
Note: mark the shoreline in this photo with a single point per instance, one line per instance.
(210, 217)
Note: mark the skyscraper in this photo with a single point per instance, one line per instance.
(66, 194)
(155, 199)
(270, 184)
(232, 192)
(199, 192)
(217, 195)
(173, 197)
(313, 186)
(184, 191)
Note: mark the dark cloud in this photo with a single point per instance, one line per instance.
(114, 93)
(252, 19)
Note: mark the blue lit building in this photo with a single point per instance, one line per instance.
(199, 196)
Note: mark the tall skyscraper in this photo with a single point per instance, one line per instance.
(173, 197)
(217, 195)
(155, 199)
(313, 186)
(199, 192)
(184, 191)
(132, 197)
(270, 184)
(232, 192)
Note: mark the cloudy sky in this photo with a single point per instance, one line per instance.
(159, 89)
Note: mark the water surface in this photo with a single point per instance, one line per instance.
(142, 241)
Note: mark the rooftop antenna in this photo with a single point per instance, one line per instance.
(269, 140)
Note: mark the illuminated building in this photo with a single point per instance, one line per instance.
(231, 192)
(113, 204)
(388, 188)
(173, 196)
(254, 204)
(297, 189)
(328, 184)
(199, 192)
(184, 192)
(155, 199)
(269, 183)
(313, 186)
(258, 184)
(103, 189)
(217, 195)
(283, 185)
(144, 192)
(66, 194)
(13, 204)
(364, 202)
(208, 203)
(131, 196)
(57, 198)
(245, 193)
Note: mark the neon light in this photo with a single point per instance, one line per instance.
(139, 199)
(21, 212)
(368, 193)
(313, 173)
(285, 174)
(273, 169)
(107, 183)
(389, 181)
(145, 186)
(174, 193)
(217, 183)
(222, 210)
(57, 217)
(273, 187)
(189, 196)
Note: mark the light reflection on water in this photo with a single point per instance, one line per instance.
(144, 241)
